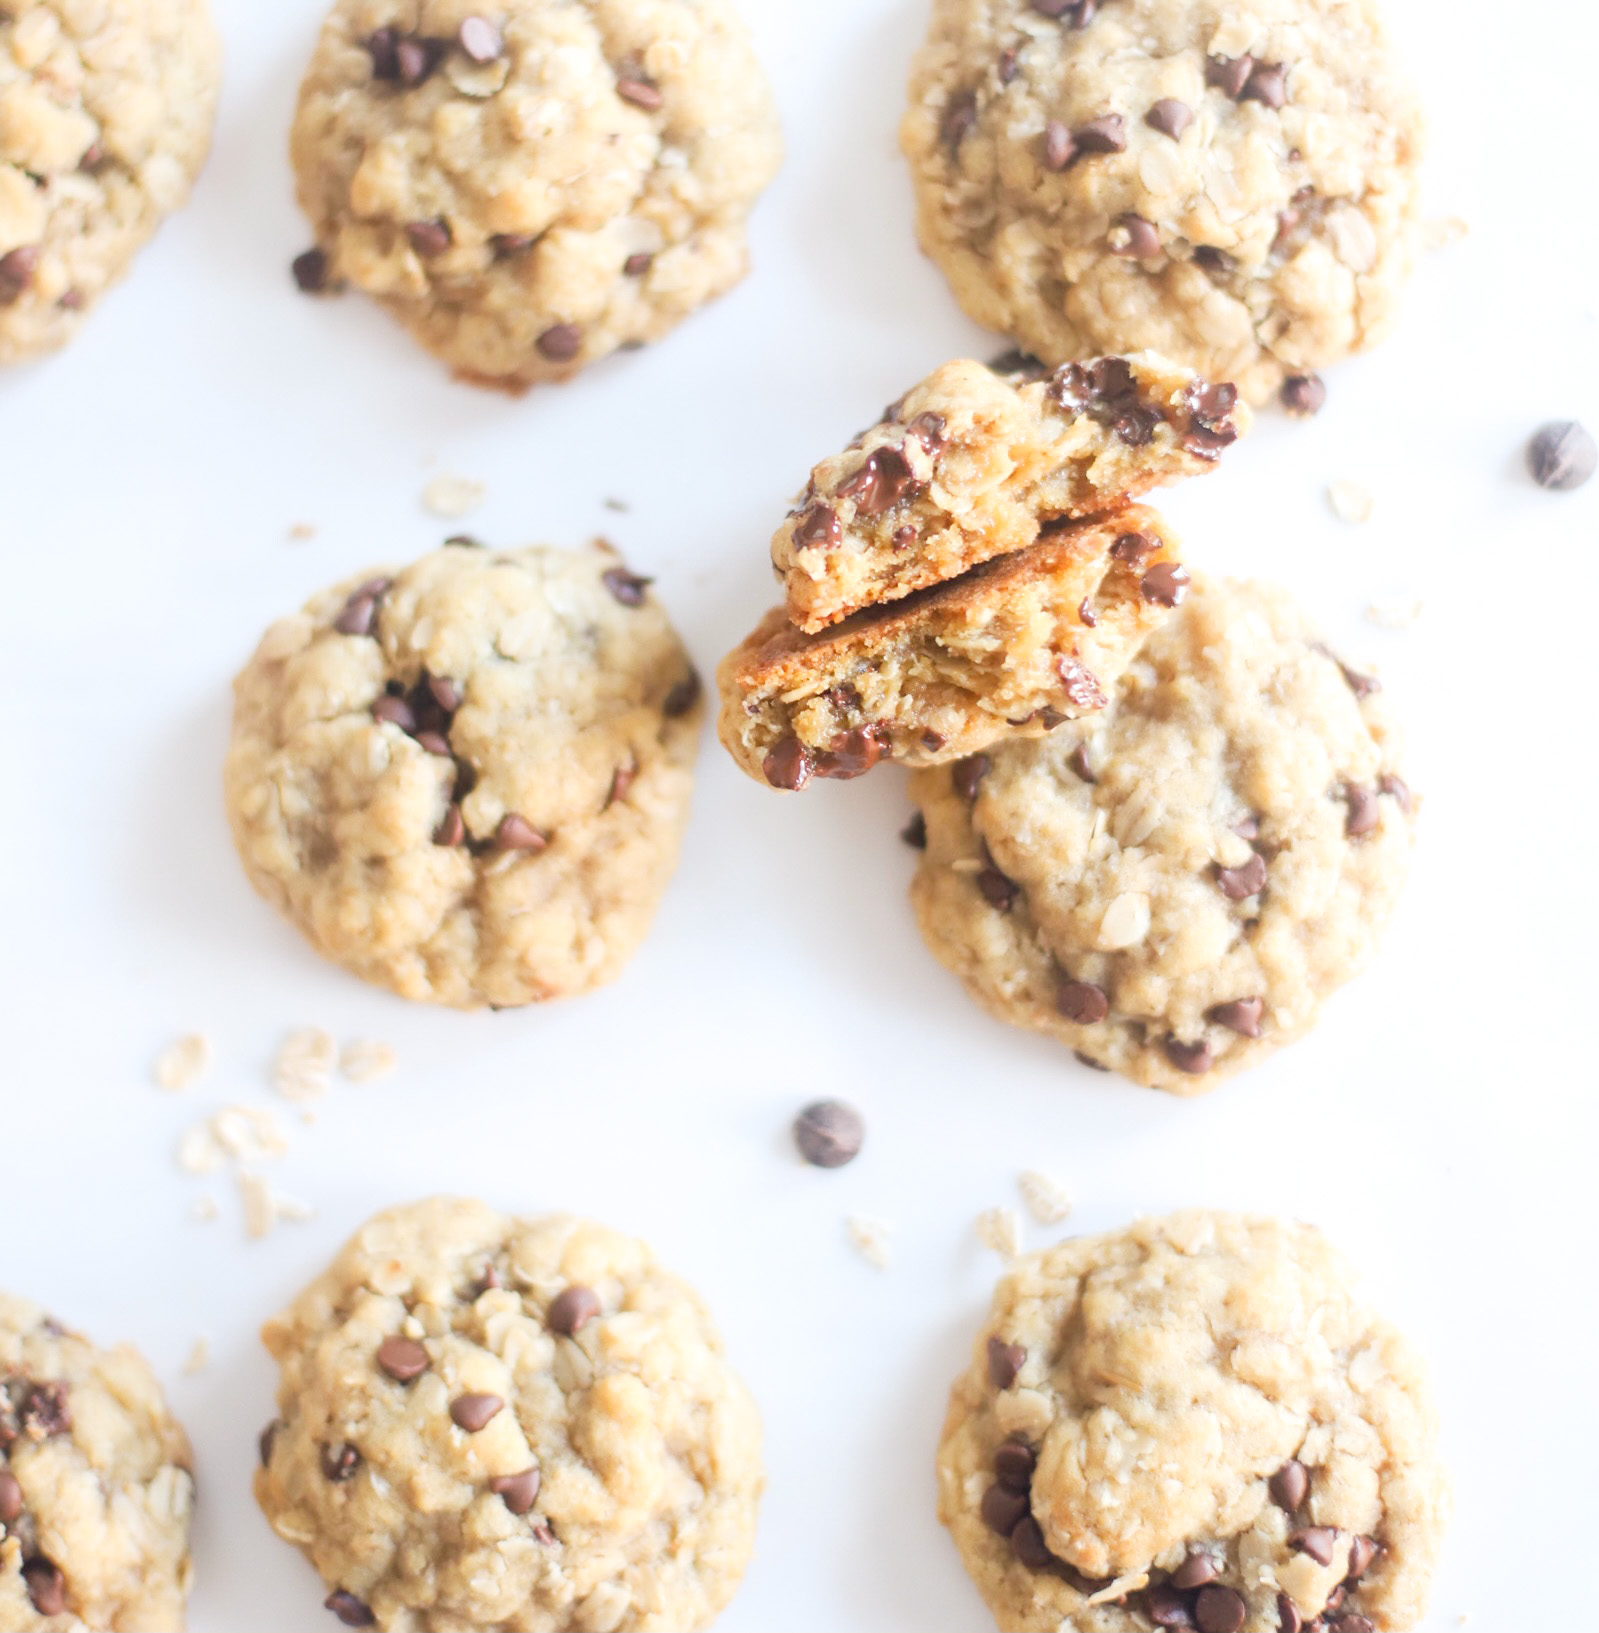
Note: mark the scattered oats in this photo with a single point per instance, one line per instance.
(1046, 1198)
(248, 1133)
(198, 1151)
(304, 1067)
(184, 1062)
(203, 1209)
(365, 1060)
(293, 1208)
(869, 1238)
(1443, 233)
(1398, 613)
(1001, 1230)
(260, 1215)
(302, 531)
(1350, 502)
(199, 1356)
(452, 496)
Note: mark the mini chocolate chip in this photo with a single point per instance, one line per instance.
(1028, 1545)
(880, 483)
(1194, 1058)
(1089, 1061)
(1362, 1551)
(475, 1411)
(46, 1584)
(339, 1463)
(519, 1491)
(10, 1496)
(394, 711)
(1303, 395)
(640, 93)
(415, 59)
(1081, 684)
(428, 238)
(1247, 827)
(1009, 59)
(561, 342)
(1014, 1464)
(853, 753)
(1166, 1607)
(637, 264)
(481, 40)
(1352, 1623)
(464, 541)
(1082, 1002)
(350, 1610)
(914, 833)
(682, 697)
(507, 244)
(1086, 613)
(402, 1358)
(1240, 883)
(1229, 75)
(1059, 148)
(967, 775)
(1268, 85)
(1215, 261)
(1003, 1509)
(1199, 1568)
(17, 268)
(1361, 685)
(380, 47)
(829, 1133)
(1132, 547)
(931, 430)
(1170, 117)
(444, 692)
(789, 765)
(268, 1439)
(1077, 761)
(1364, 812)
(572, 1309)
(542, 1531)
(960, 114)
(311, 271)
(1397, 789)
(628, 588)
(44, 1412)
(435, 743)
(1005, 1362)
(1288, 1618)
(1562, 456)
(818, 526)
(1135, 237)
(73, 301)
(1106, 134)
(359, 614)
(1315, 1540)
(998, 891)
(1166, 583)
(1289, 1486)
(1220, 1610)
(904, 537)
(1241, 1015)
(452, 829)
(621, 781)
(516, 833)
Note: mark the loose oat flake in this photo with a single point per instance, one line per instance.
(184, 1062)
(1001, 1230)
(452, 496)
(869, 1238)
(365, 1060)
(260, 1215)
(1350, 502)
(1046, 1198)
(199, 1356)
(1398, 613)
(304, 1067)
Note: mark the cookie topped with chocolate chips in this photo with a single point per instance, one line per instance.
(467, 779)
(1195, 1422)
(975, 462)
(1230, 182)
(1173, 887)
(96, 1484)
(509, 1423)
(532, 186)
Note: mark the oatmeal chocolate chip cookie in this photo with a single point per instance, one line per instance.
(467, 780)
(971, 463)
(1230, 182)
(95, 1485)
(509, 1424)
(1193, 1422)
(530, 187)
(1174, 887)
(105, 119)
(1010, 649)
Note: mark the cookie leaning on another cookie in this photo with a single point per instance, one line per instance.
(1230, 182)
(1008, 650)
(105, 120)
(467, 779)
(1174, 887)
(1193, 1422)
(972, 462)
(96, 1485)
(531, 186)
(509, 1423)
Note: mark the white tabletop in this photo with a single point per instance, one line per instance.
(1440, 1124)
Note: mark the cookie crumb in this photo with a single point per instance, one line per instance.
(1001, 1230)
(184, 1062)
(619, 505)
(203, 1209)
(199, 1356)
(295, 1209)
(1350, 502)
(365, 1060)
(248, 1133)
(304, 1067)
(1399, 613)
(869, 1238)
(301, 531)
(259, 1213)
(452, 496)
(1046, 1198)
(198, 1151)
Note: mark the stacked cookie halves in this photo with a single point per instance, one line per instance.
(972, 568)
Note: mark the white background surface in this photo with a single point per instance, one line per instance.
(1439, 1125)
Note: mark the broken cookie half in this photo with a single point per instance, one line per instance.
(1010, 649)
(975, 461)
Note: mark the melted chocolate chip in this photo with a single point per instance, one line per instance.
(428, 238)
(1165, 584)
(402, 1358)
(1170, 117)
(475, 1411)
(518, 1491)
(626, 587)
(1303, 395)
(1005, 1362)
(1316, 1541)
(1220, 1610)
(560, 343)
(1562, 456)
(339, 1463)
(572, 1309)
(818, 526)
(1289, 1486)
(880, 483)
(1246, 880)
(931, 430)
(1082, 1002)
(829, 1133)
(1003, 1509)
(1194, 1058)
(966, 776)
(1081, 685)
(1364, 814)
(1014, 1464)
(349, 1610)
(1028, 1545)
(1199, 1568)
(1132, 548)
(914, 833)
(853, 753)
(481, 39)
(1241, 1015)
(789, 765)
(311, 271)
(1166, 1607)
